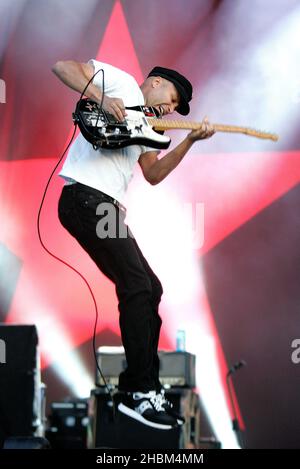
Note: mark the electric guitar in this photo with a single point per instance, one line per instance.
(102, 130)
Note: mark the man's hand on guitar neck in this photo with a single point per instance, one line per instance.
(206, 131)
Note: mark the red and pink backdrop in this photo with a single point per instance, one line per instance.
(236, 292)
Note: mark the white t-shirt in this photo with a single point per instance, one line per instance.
(109, 171)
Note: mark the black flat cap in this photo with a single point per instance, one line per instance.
(182, 84)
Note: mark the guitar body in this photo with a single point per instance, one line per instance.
(103, 131)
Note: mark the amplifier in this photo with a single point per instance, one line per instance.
(68, 424)
(176, 368)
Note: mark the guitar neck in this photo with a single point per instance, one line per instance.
(166, 124)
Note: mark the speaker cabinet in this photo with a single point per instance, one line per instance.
(20, 405)
(125, 432)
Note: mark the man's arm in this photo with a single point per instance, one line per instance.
(76, 76)
(156, 170)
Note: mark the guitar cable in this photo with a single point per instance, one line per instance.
(66, 263)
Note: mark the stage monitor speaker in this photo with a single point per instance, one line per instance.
(125, 432)
(20, 382)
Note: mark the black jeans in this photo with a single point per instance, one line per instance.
(138, 289)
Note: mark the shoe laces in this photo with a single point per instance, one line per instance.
(161, 398)
(152, 397)
(157, 403)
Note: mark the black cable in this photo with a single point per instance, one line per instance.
(101, 103)
(61, 260)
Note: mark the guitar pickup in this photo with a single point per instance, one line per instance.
(120, 127)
